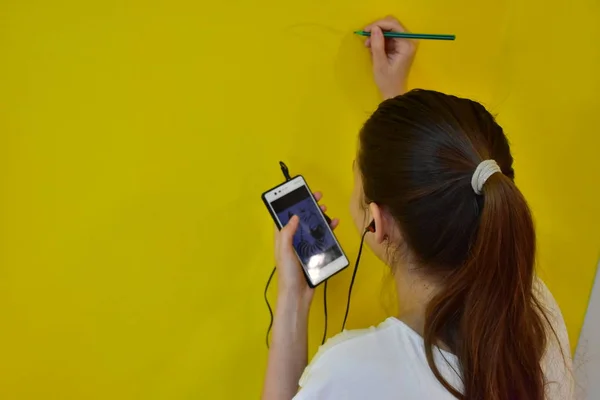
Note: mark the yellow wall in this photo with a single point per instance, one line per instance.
(137, 136)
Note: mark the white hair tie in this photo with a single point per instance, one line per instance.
(484, 170)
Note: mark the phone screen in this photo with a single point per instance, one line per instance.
(314, 242)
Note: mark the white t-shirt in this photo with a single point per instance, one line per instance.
(388, 362)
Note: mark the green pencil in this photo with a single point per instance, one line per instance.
(406, 35)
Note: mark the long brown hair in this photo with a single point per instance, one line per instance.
(417, 155)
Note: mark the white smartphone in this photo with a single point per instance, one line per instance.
(315, 244)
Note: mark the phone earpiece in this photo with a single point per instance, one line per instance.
(371, 227)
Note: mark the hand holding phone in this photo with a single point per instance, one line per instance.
(316, 248)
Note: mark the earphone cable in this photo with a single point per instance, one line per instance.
(271, 310)
(269, 305)
(362, 241)
(325, 312)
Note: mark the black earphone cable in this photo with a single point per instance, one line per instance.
(325, 312)
(362, 241)
(269, 305)
(271, 310)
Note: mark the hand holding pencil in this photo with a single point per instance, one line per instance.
(392, 57)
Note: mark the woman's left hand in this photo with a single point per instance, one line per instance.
(291, 279)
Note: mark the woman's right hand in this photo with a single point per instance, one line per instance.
(392, 57)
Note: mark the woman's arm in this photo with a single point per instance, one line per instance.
(288, 352)
(289, 348)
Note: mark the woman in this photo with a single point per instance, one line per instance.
(434, 173)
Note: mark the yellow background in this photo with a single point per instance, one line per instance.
(137, 137)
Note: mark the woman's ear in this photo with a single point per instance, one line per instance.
(380, 226)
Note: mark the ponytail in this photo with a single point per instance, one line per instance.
(486, 311)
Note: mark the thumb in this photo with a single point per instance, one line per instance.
(287, 233)
(378, 47)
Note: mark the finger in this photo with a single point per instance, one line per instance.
(378, 47)
(334, 223)
(368, 42)
(388, 23)
(318, 196)
(286, 235)
(323, 207)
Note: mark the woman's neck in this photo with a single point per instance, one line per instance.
(414, 292)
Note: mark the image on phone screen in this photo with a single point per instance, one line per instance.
(313, 241)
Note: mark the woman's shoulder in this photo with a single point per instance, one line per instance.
(361, 345)
(352, 347)
(556, 363)
(556, 328)
(355, 363)
(358, 337)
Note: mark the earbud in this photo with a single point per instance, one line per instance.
(371, 227)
